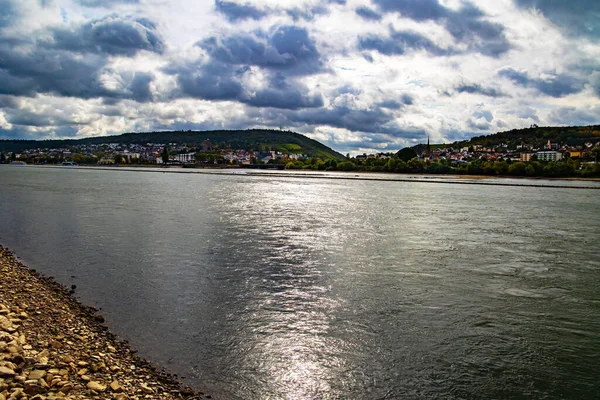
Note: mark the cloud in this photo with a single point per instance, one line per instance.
(221, 82)
(555, 85)
(105, 3)
(307, 13)
(576, 116)
(236, 11)
(286, 48)
(485, 114)
(113, 35)
(527, 113)
(399, 43)
(368, 14)
(575, 17)
(479, 125)
(355, 120)
(468, 24)
(212, 81)
(478, 89)
(9, 11)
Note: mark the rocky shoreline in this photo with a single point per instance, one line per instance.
(54, 347)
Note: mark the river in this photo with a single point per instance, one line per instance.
(256, 286)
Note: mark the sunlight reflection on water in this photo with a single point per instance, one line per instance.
(300, 288)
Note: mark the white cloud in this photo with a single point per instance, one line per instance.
(383, 101)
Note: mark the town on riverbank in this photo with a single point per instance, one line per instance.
(533, 152)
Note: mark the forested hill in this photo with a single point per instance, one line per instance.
(537, 137)
(255, 139)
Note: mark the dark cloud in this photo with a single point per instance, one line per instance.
(212, 81)
(557, 85)
(576, 17)
(218, 81)
(55, 65)
(405, 100)
(399, 43)
(289, 99)
(65, 74)
(307, 13)
(467, 25)
(15, 86)
(8, 101)
(527, 113)
(236, 11)
(368, 13)
(391, 104)
(9, 11)
(485, 114)
(105, 3)
(375, 120)
(287, 48)
(479, 125)
(113, 34)
(140, 87)
(573, 116)
(43, 71)
(478, 89)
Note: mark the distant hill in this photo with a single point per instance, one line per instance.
(255, 139)
(536, 136)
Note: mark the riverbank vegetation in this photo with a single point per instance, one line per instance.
(551, 169)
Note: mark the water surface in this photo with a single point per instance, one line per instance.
(303, 288)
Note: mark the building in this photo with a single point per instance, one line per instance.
(526, 157)
(185, 158)
(550, 155)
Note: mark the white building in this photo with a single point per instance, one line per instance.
(185, 158)
(550, 155)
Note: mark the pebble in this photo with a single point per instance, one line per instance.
(53, 347)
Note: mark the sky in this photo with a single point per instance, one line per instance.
(357, 75)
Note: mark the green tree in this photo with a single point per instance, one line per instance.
(437, 168)
(414, 165)
(406, 154)
(595, 153)
(501, 167)
(517, 169)
(165, 154)
(346, 166)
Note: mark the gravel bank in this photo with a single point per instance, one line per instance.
(52, 346)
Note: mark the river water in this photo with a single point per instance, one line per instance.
(291, 287)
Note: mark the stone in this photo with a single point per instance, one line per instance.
(37, 374)
(6, 372)
(115, 387)
(146, 389)
(43, 357)
(5, 324)
(32, 388)
(55, 344)
(96, 386)
(67, 387)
